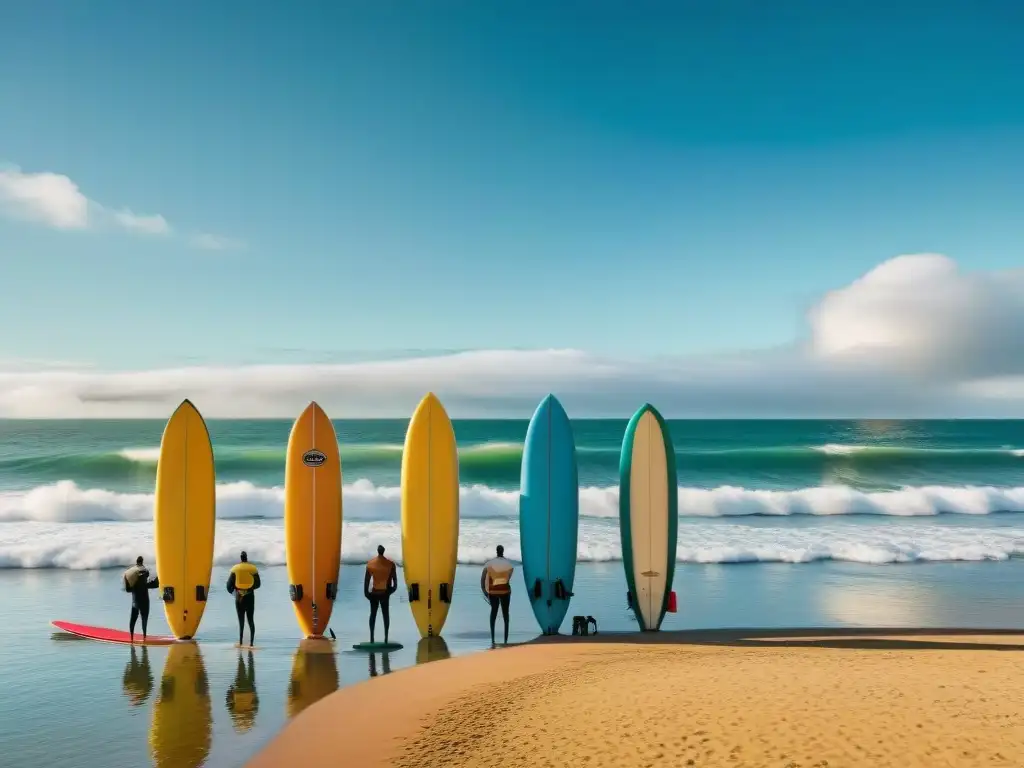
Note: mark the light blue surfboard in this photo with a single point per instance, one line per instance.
(549, 514)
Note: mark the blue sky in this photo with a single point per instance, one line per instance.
(643, 178)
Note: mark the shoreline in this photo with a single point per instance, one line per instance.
(741, 697)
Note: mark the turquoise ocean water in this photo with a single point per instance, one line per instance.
(784, 523)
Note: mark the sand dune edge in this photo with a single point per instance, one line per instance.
(792, 698)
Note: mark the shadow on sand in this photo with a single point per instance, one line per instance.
(859, 638)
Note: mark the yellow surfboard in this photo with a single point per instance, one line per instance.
(314, 675)
(182, 727)
(184, 519)
(312, 519)
(430, 514)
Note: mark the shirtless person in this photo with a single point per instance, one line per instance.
(385, 581)
(496, 582)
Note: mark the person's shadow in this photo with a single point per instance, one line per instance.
(242, 700)
(137, 680)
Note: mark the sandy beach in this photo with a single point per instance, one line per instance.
(799, 699)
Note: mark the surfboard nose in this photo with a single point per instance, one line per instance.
(431, 402)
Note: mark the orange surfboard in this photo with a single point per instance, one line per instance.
(312, 519)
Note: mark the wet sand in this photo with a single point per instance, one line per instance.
(792, 699)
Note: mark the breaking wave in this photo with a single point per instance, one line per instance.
(63, 525)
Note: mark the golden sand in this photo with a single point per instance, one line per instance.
(684, 699)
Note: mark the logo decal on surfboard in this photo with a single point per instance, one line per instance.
(650, 574)
(314, 458)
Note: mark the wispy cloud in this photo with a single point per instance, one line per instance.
(55, 200)
(153, 224)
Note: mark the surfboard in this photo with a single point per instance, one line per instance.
(107, 635)
(312, 519)
(377, 646)
(430, 514)
(184, 518)
(314, 675)
(549, 514)
(181, 730)
(648, 514)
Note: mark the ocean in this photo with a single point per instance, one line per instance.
(782, 523)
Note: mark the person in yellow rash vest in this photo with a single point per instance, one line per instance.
(496, 581)
(243, 581)
(381, 571)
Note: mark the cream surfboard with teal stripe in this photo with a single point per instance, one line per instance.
(648, 514)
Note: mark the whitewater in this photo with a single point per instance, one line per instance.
(65, 526)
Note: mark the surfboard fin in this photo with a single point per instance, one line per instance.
(414, 592)
(200, 593)
(444, 593)
(168, 595)
(332, 591)
(538, 589)
(295, 592)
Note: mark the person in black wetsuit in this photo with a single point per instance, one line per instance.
(138, 584)
(243, 582)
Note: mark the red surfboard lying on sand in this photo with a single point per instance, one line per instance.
(107, 635)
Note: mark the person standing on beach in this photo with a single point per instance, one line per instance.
(137, 583)
(496, 582)
(382, 572)
(243, 581)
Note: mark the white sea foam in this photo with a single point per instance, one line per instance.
(102, 545)
(839, 449)
(141, 455)
(65, 526)
(66, 502)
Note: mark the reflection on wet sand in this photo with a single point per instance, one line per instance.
(137, 681)
(242, 700)
(180, 734)
(874, 602)
(432, 649)
(314, 674)
(385, 660)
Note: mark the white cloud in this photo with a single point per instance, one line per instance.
(148, 225)
(46, 198)
(913, 338)
(54, 200)
(211, 242)
(920, 315)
